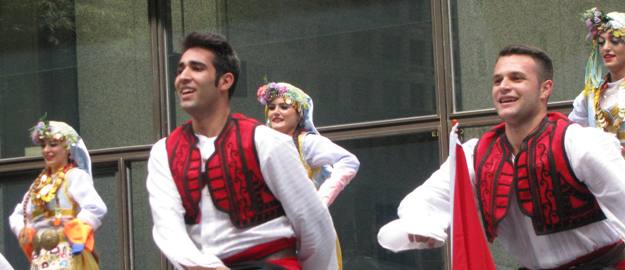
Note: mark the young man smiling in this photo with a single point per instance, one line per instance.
(550, 190)
(225, 191)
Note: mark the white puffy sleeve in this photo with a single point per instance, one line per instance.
(92, 208)
(320, 151)
(16, 220)
(596, 160)
(579, 114)
(425, 211)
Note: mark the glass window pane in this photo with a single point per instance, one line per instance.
(12, 189)
(389, 170)
(359, 61)
(146, 254)
(481, 28)
(108, 236)
(83, 62)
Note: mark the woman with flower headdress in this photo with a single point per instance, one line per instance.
(56, 220)
(289, 110)
(602, 102)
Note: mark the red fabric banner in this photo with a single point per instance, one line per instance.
(469, 248)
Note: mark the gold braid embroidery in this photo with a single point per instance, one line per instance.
(602, 116)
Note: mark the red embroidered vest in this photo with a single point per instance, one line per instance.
(232, 174)
(546, 188)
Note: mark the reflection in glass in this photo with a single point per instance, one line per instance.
(481, 28)
(108, 236)
(359, 61)
(82, 62)
(12, 189)
(146, 254)
(390, 168)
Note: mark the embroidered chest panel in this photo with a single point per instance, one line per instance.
(546, 188)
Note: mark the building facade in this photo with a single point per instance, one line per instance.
(386, 76)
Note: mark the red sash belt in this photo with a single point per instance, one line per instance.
(262, 251)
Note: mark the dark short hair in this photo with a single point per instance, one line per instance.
(225, 59)
(539, 56)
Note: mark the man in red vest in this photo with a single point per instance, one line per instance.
(225, 191)
(551, 191)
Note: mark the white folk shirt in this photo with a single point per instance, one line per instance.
(319, 151)
(610, 97)
(215, 237)
(596, 160)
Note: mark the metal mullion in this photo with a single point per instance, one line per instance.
(122, 191)
(21, 164)
(486, 117)
(378, 123)
(156, 15)
(443, 65)
(139, 153)
(441, 47)
(124, 214)
(373, 132)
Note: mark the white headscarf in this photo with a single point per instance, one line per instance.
(63, 132)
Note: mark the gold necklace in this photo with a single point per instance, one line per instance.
(46, 185)
(602, 116)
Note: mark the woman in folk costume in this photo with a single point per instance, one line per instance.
(56, 220)
(289, 110)
(602, 102)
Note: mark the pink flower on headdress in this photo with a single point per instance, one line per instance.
(34, 136)
(281, 89)
(37, 131)
(260, 94)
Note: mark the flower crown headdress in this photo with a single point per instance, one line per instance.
(53, 130)
(597, 23)
(302, 103)
(62, 132)
(291, 95)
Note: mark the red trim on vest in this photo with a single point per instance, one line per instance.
(233, 174)
(184, 163)
(261, 251)
(546, 188)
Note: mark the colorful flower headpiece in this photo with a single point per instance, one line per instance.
(290, 94)
(302, 103)
(53, 130)
(597, 23)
